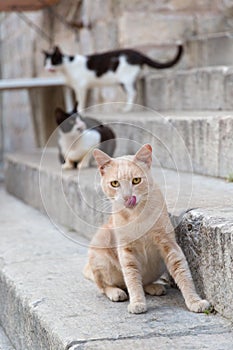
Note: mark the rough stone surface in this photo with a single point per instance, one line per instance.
(192, 141)
(45, 302)
(195, 89)
(207, 51)
(171, 28)
(5, 343)
(75, 199)
(206, 237)
(107, 24)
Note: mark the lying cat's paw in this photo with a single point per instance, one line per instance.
(199, 306)
(137, 308)
(67, 166)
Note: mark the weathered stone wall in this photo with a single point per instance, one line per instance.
(107, 24)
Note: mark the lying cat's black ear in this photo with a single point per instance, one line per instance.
(75, 110)
(57, 50)
(144, 155)
(102, 159)
(60, 115)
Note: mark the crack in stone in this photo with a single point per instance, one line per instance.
(194, 331)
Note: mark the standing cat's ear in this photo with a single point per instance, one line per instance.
(144, 154)
(102, 159)
(60, 115)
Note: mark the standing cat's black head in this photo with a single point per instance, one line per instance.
(53, 59)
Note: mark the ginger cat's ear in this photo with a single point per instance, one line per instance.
(102, 159)
(144, 154)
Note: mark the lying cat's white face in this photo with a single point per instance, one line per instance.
(73, 126)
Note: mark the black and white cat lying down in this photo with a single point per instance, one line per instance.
(114, 67)
(78, 136)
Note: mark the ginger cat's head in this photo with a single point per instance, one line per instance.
(126, 180)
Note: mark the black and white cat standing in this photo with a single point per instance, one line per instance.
(114, 67)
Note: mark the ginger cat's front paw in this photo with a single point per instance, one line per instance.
(137, 308)
(116, 294)
(199, 306)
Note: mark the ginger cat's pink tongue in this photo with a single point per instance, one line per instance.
(131, 202)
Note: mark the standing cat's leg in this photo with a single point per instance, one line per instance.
(130, 88)
(133, 281)
(178, 268)
(81, 96)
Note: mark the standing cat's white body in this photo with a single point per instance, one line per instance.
(81, 79)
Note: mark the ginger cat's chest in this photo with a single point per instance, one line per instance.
(149, 259)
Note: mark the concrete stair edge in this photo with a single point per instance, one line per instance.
(46, 304)
(190, 89)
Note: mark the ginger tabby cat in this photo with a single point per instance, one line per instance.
(133, 249)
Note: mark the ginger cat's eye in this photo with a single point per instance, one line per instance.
(136, 180)
(115, 183)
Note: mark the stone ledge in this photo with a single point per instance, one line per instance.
(206, 237)
(45, 302)
(191, 141)
(206, 88)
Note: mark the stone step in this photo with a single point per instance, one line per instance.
(191, 141)
(208, 50)
(5, 343)
(45, 302)
(202, 51)
(75, 200)
(206, 88)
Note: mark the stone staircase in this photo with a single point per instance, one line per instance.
(191, 137)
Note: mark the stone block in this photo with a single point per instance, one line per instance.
(225, 146)
(209, 51)
(195, 89)
(171, 28)
(105, 36)
(206, 238)
(94, 11)
(192, 141)
(170, 5)
(86, 42)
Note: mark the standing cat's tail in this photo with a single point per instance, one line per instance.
(168, 64)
